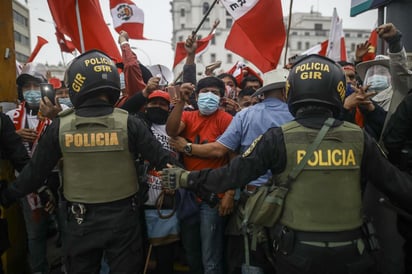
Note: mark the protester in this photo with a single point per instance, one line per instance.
(30, 125)
(202, 236)
(245, 127)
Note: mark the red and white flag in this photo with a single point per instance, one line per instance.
(241, 70)
(336, 47)
(40, 43)
(202, 46)
(318, 49)
(128, 17)
(258, 33)
(71, 16)
(65, 45)
(373, 41)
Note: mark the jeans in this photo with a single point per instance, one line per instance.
(203, 241)
(36, 229)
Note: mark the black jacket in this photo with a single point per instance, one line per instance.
(11, 146)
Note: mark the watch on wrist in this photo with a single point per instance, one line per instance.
(188, 149)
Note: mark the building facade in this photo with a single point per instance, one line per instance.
(307, 30)
(21, 22)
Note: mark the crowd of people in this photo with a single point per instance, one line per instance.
(133, 175)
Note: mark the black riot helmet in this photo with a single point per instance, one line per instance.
(91, 74)
(316, 80)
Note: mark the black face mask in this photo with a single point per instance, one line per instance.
(157, 115)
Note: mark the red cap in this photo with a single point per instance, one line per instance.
(159, 94)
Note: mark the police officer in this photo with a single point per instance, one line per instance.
(12, 151)
(320, 230)
(98, 144)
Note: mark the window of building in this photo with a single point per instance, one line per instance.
(22, 39)
(318, 26)
(180, 38)
(21, 57)
(20, 19)
(229, 58)
(347, 35)
(212, 57)
(205, 7)
(213, 41)
(359, 35)
(182, 12)
(307, 33)
(307, 45)
(182, 26)
(228, 23)
(353, 47)
(207, 23)
(294, 33)
(299, 45)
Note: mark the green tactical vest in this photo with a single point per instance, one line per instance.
(326, 196)
(97, 164)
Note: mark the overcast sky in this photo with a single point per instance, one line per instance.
(158, 25)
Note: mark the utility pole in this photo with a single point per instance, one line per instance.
(8, 94)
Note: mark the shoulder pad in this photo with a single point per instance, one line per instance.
(65, 112)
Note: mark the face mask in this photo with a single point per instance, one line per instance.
(157, 115)
(349, 90)
(208, 103)
(378, 82)
(65, 101)
(32, 98)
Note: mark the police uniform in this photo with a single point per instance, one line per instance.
(98, 144)
(320, 230)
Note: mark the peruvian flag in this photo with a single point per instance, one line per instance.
(65, 45)
(258, 33)
(202, 46)
(336, 49)
(40, 43)
(373, 41)
(128, 17)
(83, 22)
(241, 70)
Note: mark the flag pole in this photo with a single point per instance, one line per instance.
(204, 18)
(287, 34)
(79, 25)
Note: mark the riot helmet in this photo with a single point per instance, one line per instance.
(91, 74)
(316, 80)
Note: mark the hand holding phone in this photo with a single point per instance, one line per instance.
(48, 91)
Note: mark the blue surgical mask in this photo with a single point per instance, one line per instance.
(32, 98)
(349, 89)
(65, 101)
(378, 82)
(208, 103)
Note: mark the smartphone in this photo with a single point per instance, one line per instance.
(174, 92)
(48, 91)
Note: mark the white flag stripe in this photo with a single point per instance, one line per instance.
(124, 13)
(237, 9)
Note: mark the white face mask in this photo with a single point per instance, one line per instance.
(208, 103)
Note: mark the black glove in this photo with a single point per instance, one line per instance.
(47, 198)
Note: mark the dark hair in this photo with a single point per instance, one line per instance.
(249, 78)
(211, 81)
(246, 92)
(225, 74)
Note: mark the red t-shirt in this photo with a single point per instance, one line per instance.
(204, 129)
